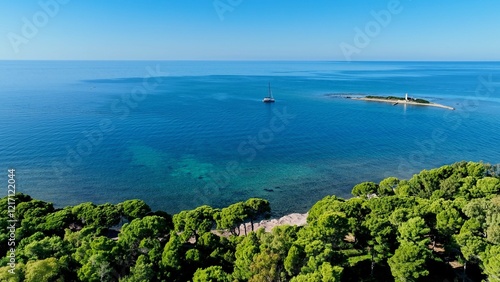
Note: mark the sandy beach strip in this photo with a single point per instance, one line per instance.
(299, 219)
(403, 102)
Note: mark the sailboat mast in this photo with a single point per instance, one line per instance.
(269, 98)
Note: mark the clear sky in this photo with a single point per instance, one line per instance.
(250, 30)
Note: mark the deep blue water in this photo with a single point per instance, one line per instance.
(182, 134)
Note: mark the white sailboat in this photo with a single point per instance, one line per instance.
(269, 98)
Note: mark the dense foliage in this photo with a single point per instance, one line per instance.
(428, 227)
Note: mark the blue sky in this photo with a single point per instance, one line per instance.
(250, 30)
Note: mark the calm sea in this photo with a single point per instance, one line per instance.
(179, 134)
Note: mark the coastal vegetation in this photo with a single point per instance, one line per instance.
(442, 223)
(418, 100)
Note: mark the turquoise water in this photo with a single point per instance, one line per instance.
(180, 134)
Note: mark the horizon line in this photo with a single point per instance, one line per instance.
(242, 60)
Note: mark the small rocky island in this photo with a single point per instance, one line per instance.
(400, 100)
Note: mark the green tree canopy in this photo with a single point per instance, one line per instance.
(328, 203)
(232, 217)
(491, 263)
(194, 223)
(56, 222)
(489, 185)
(133, 209)
(449, 222)
(105, 215)
(46, 270)
(245, 252)
(386, 229)
(142, 271)
(98, 258)
(409, 262)
(365, 189)
(172, 254)
(414, 230)
(212, 273)
(256, 208)
(387, 186)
